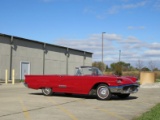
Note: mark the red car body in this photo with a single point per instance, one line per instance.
(83, 84)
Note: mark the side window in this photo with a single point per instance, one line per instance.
(78, 72)
(99, 72)
(94, 72)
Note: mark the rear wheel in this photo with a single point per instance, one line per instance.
(103, 92)
(123, 96)
(47, 91)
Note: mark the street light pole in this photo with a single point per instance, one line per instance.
(102, 45)
(119, 55)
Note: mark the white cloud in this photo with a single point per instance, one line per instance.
(88, 45)
(152, 53)
(130, 6)
(116, 8)
(131, 47)
(132, 43)
(106, 36)
(121, 5)
(113, 37)
(132, 39)
(92, 43)
(155, 46)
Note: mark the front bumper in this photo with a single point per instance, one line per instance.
(124, 89)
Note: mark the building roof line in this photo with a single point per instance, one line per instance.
(1, 34)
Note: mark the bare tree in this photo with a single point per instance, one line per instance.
(139, 65)
(151, 65)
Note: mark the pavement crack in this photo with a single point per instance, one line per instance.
(40, 108)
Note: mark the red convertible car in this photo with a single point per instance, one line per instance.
(87, 80)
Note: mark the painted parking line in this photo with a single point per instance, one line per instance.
(25, 111)
(104, 110)
(67, 112)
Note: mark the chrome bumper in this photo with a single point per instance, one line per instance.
(124, 89)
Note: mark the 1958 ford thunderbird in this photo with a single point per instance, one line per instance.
(87, 80)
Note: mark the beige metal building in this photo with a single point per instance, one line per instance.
(33, 57)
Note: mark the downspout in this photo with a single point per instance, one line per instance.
(11, 54)
(67, 56)
(84, 58)
(44, 52)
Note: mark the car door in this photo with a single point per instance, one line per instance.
(71, 84)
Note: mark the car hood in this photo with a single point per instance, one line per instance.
(124, 79)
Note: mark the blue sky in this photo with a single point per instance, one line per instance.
(132, 26)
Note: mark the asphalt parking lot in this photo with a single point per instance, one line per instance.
(20, 103)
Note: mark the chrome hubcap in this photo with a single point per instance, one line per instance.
(47, 91)
(103, 92)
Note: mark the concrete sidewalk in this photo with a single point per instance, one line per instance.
(153, 85)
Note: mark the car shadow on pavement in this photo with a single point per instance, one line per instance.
(69, 95)
(113, 98)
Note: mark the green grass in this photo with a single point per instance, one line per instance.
(153, 114)
(157, 80)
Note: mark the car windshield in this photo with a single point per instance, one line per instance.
(88, 71)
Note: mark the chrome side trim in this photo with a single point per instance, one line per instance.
(124, 89)
(62, 86)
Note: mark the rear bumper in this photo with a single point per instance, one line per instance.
(124, 89)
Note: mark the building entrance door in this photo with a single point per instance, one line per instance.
(25, 69)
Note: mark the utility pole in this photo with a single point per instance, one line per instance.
(102, 45)
(119, 55)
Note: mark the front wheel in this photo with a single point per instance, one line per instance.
(47, 91)
(103, 92)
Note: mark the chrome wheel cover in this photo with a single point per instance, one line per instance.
(103, 92)
(47, 91)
